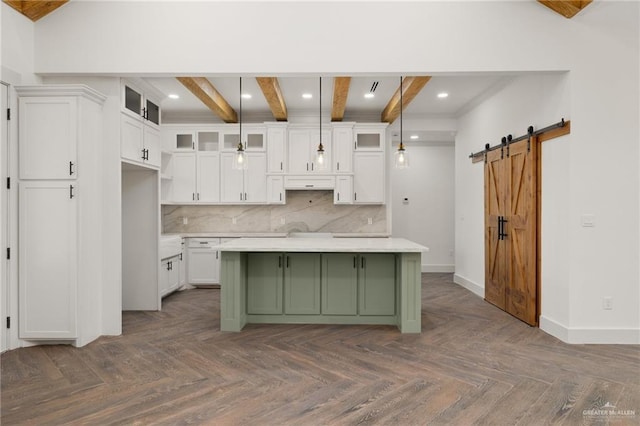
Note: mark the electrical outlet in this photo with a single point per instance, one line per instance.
(607, 303)
(282, 220)
(185, 220)
(370, 221)
(234, 220)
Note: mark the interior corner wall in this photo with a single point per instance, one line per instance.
(423, 202)
(18, 47)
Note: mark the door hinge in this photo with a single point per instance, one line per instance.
(8, 114)
(8, 322)
(8, 183)
(8, 253)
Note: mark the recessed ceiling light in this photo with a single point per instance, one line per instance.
(414, 136)
(173, 96)
(369, 95)
(307, 95)
(246, 96)
(443, 95)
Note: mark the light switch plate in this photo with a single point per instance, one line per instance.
(588, 220)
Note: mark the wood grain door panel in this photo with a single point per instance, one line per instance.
(495, 273)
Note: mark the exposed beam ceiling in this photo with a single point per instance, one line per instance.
(411, 86)
(340, 94)
(35, 9)
(566, 8)
(272, 93)
(204, 90)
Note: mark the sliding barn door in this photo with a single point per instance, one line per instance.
(494, 208)
(521, 247)
(511, 229)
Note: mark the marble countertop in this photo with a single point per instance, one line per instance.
(322, 245)
(264, 235)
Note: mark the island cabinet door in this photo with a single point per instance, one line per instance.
(264, 283)
(376, 284)
(339, 284)
(302, 283)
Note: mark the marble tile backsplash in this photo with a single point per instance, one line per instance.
(305, 211)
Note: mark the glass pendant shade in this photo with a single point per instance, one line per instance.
(321, 162)
(240, 159)
(401, 160)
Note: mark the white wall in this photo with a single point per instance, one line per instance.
(428, 217)
(599, 46)
(16, 68)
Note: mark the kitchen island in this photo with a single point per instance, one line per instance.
(321, 281)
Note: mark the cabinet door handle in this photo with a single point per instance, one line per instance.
(198, 197)
(245, 196)
(279, 262)
(355, 196)
(281, 196)
(216, 254)
(355, 265)
(71, 192)
(193, 196)
(338, 166)
(362, 262)
(308, 186)
(307, 166)
(70, 168)
(281, 165)
(287, 261)
(143, 154)
(145, 114)
(241, 196)
(311, 166)
(338, 196)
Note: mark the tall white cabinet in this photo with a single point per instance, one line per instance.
(60, 209)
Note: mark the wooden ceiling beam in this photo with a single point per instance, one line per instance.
(340, 94)
(566, 8)
(272, 93)
(411, 86)
(202, 88)
(35, 9)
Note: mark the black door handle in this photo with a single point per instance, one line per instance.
(504, 234)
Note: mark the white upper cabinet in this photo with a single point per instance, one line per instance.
(343, 148)
(139, 128)
(48, 137)
(276, 142)
(343, 194)
(208, 184)
(254, 137)
(368, 178)
(139, 143)
(369, 137)
(243, 186)
(140, 105)
(303, 145)
(184, 177)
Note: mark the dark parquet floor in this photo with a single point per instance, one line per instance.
(472, 365)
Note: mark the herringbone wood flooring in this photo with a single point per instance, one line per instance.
(472, 364)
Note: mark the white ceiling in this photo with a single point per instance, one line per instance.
(463, 90)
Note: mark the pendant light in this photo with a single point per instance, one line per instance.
(240, 160)
(401, 160)
(320, 154)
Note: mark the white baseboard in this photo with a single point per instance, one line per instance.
(438, 268)
(576, 335)
(469, 285)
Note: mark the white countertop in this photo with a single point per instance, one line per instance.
(323, 245)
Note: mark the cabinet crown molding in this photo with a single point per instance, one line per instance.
(62, 90)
